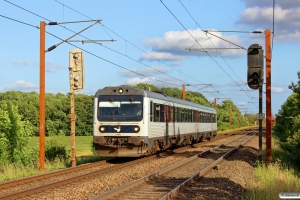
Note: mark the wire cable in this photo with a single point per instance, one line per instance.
(202, 47)
(129, 43)
(92, 53)
(96, 42)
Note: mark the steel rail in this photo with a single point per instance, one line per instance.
(135, 184)
(42, 188)
(49, 175)
(201, 173)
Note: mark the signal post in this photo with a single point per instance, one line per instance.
(255, 80)
(76, 70)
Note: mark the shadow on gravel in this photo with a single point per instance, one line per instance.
(212, 188)
(246, 154)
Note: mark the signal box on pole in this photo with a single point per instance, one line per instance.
(255, 62)
(76, 70)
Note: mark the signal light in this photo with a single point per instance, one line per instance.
(255, 62)
(76, 61)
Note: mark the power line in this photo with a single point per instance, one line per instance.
(103, 46)
(129, 43)
(19, 21)
(202, 47)
(92, 53)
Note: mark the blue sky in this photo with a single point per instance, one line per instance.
(152, 36)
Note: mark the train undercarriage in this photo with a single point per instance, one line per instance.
(137, 146)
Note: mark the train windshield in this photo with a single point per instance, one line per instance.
(120, 108)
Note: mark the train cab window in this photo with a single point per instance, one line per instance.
(151, 111)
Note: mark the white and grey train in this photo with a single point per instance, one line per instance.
(131, 122)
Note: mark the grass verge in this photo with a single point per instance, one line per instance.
(270, 180)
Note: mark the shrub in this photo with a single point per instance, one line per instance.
(55, 150)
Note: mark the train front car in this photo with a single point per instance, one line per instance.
(119, 128)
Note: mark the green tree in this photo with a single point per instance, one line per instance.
(15, 133)
(287, 127)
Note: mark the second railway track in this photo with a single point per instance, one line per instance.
(44, 184)
(167, 182)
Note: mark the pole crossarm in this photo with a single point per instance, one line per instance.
(226, 40)
(91, 41)
(259, 32)
(211, 91)
(57, 23)
(199, 49)
(196, 49)
(66, 40)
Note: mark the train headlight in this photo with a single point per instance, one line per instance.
(102, 129)
(136, 129)
(120, 90)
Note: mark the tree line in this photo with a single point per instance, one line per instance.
(57, 110)
(287, 128)
(19, 120)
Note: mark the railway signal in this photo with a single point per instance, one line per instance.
(76, 70)
(255, 62)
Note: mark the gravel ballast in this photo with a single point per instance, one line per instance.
(228, 182)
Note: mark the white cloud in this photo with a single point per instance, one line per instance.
(277, 89)
(22, 62)
(51, 67)
(137, 80)
(286, 19)
(173, 45)
(20, 85)
(160, 56)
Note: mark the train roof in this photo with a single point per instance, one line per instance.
(136, 91)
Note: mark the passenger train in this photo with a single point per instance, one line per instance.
(131, 122)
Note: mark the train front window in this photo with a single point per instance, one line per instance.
(120, 108)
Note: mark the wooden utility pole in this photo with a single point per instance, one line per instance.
(42, 93)
(239, 118)
(215, 104)
(268, 98)
(72, 120)
(183, 91)
(230, 118)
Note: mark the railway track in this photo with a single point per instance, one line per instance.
(38, 184)
(165, 183)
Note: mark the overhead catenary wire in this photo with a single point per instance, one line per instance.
(52, 47)
(128, 42)
(91, 53)
(95, 42)
(202, 47)
(102, 45)
(196, 40)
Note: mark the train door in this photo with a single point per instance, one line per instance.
(166, 120)
(197, 121)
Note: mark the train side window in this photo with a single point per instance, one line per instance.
(179, 114)
(201, 117)
(175, 114)
(183, 115)
(162, 111)
(151, 111)
(157, 113)
(171, 114)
